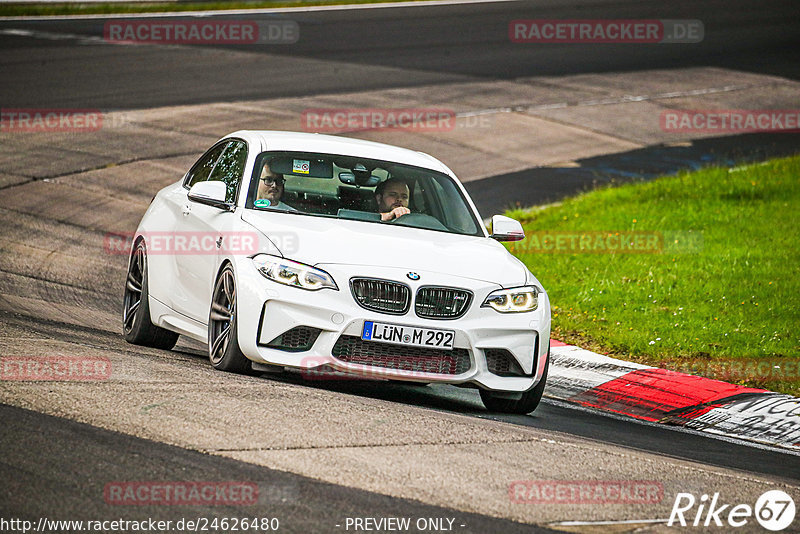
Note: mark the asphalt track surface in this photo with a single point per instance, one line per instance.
(300, 504)
(553, 183)
(55, 460)
(382, 48)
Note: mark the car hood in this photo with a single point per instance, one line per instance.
(322, 240)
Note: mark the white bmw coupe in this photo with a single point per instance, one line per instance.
(334, 255)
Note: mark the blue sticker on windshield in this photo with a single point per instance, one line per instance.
(262, 203)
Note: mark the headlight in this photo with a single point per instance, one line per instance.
(517, 299)
(292, 273)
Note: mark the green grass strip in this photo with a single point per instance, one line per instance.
(707, 280)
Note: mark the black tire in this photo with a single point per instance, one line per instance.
(223, 341)
(136, 325)
(524, 405)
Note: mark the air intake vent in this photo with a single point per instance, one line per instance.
(382, 296)
(501, 363)
(297, 339)
(353, 349)
(442, 302)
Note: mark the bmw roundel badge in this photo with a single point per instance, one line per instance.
(413, 276)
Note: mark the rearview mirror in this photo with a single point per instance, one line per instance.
(349, 178)
(506, 229)
(210, 193)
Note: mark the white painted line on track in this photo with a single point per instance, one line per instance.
(266, 10)
(52, 36)
(617, 100)
(599, 523)
(747, 167)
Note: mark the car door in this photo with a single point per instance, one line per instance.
(176, 201)
(206, 230)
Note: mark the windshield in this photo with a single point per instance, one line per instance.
(347, 187)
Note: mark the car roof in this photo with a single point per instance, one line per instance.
(331, 144)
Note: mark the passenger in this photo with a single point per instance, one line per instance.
(270, 191)
(392, 197)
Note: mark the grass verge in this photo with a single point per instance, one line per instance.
(103, 8)
(698, 272)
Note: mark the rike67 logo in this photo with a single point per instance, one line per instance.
(774, 510)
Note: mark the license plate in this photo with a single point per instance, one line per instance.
(408, 335)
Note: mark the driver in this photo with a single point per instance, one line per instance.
(270, 191)
(392, 197)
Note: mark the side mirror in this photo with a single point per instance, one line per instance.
(506, 229)
(210, 193)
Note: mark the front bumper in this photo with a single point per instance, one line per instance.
(268, 309)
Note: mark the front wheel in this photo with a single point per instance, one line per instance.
(525, 404)
(223, 340)
(136, 324)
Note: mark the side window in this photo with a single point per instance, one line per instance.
(204, 166)
(230, 168)
(454, 210)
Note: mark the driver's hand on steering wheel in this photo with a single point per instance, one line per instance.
(395, 213)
